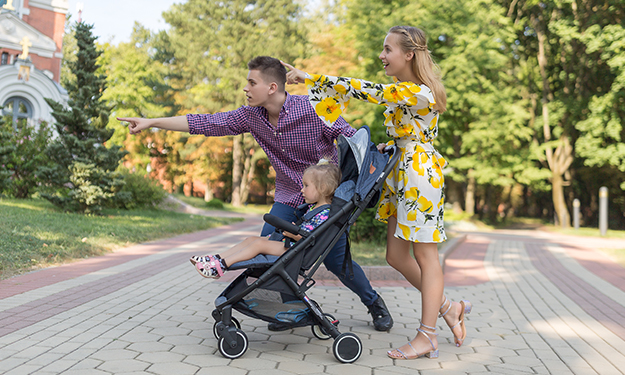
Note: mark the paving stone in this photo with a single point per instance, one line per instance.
(23, 370)
(170, 368)
(123, 365)
(114, 354)
(299, 367)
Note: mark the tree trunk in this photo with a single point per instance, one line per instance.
(248, 174)
(470, 197)
(208, 193)
(559, 204)
(559, 160)
(237, 170)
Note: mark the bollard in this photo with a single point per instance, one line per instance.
(603, 210)
(576, 213)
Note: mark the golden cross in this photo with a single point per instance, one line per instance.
(25, 44)
(8, 5)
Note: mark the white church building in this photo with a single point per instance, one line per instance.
(31, 41)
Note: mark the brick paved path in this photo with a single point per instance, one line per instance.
(543, 304)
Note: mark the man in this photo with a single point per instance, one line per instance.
(293, 137)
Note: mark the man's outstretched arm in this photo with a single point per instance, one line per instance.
(137, 124)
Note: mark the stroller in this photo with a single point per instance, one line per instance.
(274, 288)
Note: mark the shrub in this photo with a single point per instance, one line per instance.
(215, 203)
(138, 191)
(21, 154)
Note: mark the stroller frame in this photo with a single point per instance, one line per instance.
(347, 347)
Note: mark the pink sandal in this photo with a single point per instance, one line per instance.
(205, 267)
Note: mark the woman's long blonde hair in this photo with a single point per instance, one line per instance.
(427, 71)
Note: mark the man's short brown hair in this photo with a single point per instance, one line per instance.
(270, 68)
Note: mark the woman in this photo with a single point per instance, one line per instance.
(413, 197)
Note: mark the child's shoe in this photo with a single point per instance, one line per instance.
(208, 266)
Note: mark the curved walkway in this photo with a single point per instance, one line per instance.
(543, 304)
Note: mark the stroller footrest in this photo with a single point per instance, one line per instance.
(259, 261)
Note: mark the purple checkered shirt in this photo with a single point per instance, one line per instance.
(299, 140)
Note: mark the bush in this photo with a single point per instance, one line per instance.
(215, 203)
(368, 229)
(21, 155)
(138, 191)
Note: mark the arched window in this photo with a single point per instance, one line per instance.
(18, 108)
(5, 59)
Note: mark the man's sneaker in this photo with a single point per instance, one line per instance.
(382, 320)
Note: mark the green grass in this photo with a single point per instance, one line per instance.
(34, 234)
(200, 203)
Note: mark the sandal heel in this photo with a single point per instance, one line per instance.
(433, 354)
(468, 306)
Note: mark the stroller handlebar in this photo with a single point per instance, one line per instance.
(284, 225)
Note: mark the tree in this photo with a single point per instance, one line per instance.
(212, 41)
(572, 77)
(83, 176)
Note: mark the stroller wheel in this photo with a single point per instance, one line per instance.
(216, 326)
(235, 349)
(320, 332)
(347, 347)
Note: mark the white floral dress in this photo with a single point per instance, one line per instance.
(413, 192)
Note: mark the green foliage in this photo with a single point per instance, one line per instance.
(215, 203)
(82, 175)
(212, 41)
(139, 191)
(21, 155)
(368, 229)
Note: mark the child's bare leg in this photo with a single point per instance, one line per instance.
(260, 245)
(238, 247)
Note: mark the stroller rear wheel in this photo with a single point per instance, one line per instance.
(347, 347)
(320, 332)
(218, 324)
(236, 348)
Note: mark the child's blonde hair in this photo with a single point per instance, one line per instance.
(427, 71)
(326, 177)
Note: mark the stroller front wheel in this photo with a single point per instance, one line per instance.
(217, 327)
(235, 348)
(320, 332)
(347, 347)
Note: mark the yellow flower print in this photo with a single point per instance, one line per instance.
(423, 111)
(440, 203)
(424, 204)
(436, 237)
(398, 115)
(340, 89)
(356, 84)
(401, 176)
(329, 109)
(424, 157)
(433, 122)
(412, 87)
(373, 100)
(385, 209)
(405, 230)
(412, 215)
(391, 94)
(412, 194)
(418, 167)
(442, 162)
(435, 182)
